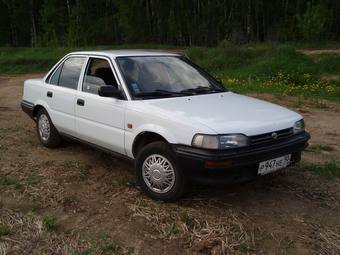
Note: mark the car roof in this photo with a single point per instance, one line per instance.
(126, 53)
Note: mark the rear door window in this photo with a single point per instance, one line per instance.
(70, 72)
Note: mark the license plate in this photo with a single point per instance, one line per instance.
(273, 165)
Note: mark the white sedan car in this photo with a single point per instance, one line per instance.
(176, 122)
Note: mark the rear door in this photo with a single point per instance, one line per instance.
(100, 120)
(62, 91)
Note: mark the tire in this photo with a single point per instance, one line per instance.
(50, 138)
(149, 178)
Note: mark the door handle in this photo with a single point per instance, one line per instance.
(80, 102)
(49, 94)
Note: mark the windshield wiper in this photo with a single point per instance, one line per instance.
(186, 92)
(201, 89)
(158, 93)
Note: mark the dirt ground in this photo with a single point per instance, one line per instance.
(76, 200)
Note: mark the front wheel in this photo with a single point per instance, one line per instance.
(158, 172)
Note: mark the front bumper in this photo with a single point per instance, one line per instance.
(235, 165)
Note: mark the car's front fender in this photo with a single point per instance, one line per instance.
(130, 136)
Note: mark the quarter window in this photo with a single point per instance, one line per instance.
(55, 77)
(70, 72)
(98, 73)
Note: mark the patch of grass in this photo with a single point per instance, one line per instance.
(254, 62)
(328, 63)
(125, 179)
(105, 246)
(285, 60)
(10, 181)
(88, 251)
(84, 171)
(185, 218)
(317, 103)
(50, 222)
(230, 60)
(70, 200)
(329, 170)
(319, 148)
(33, 179)
(173, 229)
(4, 230)
(244, 246)
(280, 70)
(82, 168)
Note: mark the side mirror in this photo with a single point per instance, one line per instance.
(109, 91)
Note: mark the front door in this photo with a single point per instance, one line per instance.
(100, 120)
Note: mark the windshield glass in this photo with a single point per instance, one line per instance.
(165, 76)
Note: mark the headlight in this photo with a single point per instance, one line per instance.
(206, 141)
(231, 141)
(299, 126)
(219, 141)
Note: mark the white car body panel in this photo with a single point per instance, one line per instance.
(148, 118)
(34, 90)
(229, 113)
(62, 108)
(103, 121)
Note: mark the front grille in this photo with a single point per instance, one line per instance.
(269, 138)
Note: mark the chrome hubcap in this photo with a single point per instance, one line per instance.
(158, 173)
(44, 127)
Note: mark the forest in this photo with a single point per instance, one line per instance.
(74, 23)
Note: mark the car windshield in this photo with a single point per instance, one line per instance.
(150, 77)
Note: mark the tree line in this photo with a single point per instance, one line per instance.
(179, 22)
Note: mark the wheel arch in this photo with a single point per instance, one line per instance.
(144, 138)
(36, 109)
(38, 105)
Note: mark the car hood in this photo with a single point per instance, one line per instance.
(228, 113)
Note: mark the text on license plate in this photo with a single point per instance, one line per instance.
(272, 165)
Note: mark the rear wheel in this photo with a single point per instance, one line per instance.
(158, 172)
(47, 133)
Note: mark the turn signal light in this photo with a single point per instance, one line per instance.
(217, 164)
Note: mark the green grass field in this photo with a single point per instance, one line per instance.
(268, 69)
(263, 68)
(329, 170)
